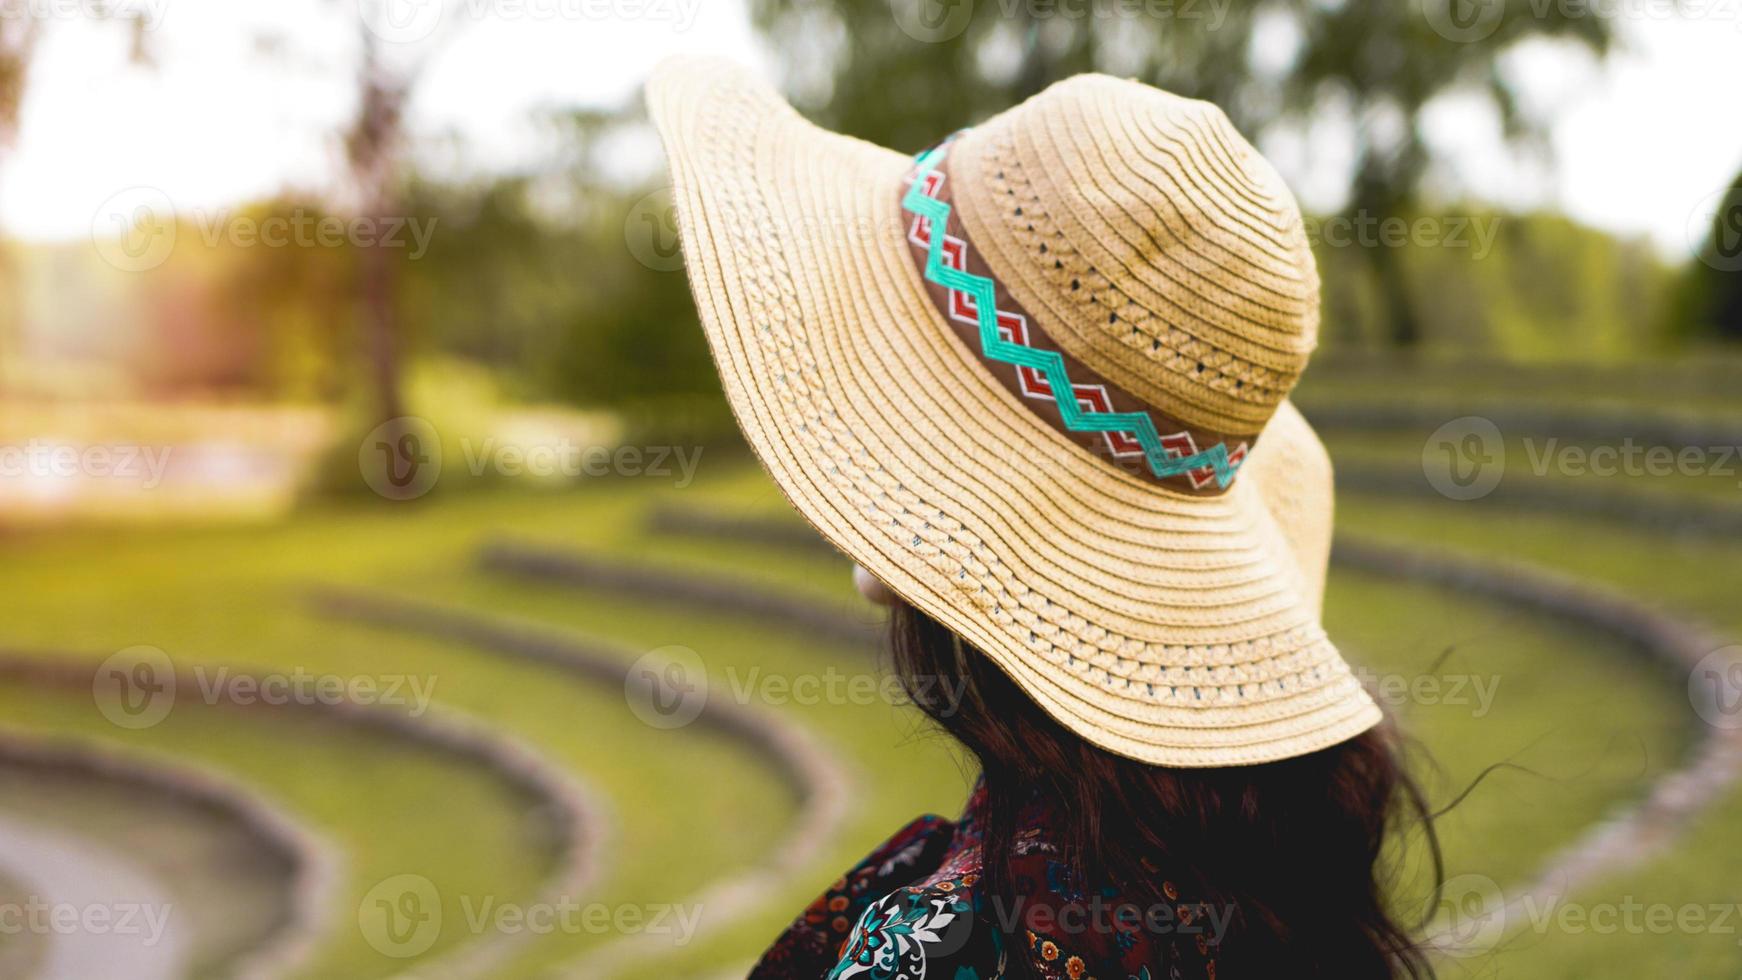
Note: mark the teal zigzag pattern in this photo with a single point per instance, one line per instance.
(1049, 363)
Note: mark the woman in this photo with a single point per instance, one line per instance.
(1120, 589)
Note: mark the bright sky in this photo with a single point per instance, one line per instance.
(1644, 142)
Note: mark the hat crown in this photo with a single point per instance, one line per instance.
(1153, 240)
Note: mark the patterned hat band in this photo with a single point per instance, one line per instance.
(1101, 417)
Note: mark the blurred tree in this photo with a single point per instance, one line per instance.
(1522, 287)
(17, 41)
(534, 276)
(372, 148)
(284, 306)
(905, 72)
(21, 28)
(1708, 299)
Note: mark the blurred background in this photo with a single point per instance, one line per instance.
(384, 589)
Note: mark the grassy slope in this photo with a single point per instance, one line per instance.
(230, 894)
(691, 809)
(1396, 629)
(1694, 575)
(232, 596)
(389, 806)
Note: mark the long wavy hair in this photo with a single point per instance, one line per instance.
(1291, 848)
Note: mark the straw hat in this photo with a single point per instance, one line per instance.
(1146, 559)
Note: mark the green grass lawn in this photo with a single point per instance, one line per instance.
(691, 808)
(235, 596)
(1570, 774)
(1691, 389)
(390, 807)
(1701, 871)
(1714, 479)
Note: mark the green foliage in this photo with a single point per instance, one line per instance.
(1544, 288)
(905, 72)
(552, 294)
(1707, 302)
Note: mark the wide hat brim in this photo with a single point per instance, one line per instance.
(1170, 628)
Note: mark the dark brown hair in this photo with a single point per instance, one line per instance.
(1292, 849)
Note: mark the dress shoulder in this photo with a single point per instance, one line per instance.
(929, 930)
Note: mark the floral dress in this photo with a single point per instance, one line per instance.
(911, 911)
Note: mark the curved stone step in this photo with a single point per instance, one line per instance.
(99, 913)
(578, 821)
(1627, 837)
(818, 779)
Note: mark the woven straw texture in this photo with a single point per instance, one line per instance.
(1173, 629)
